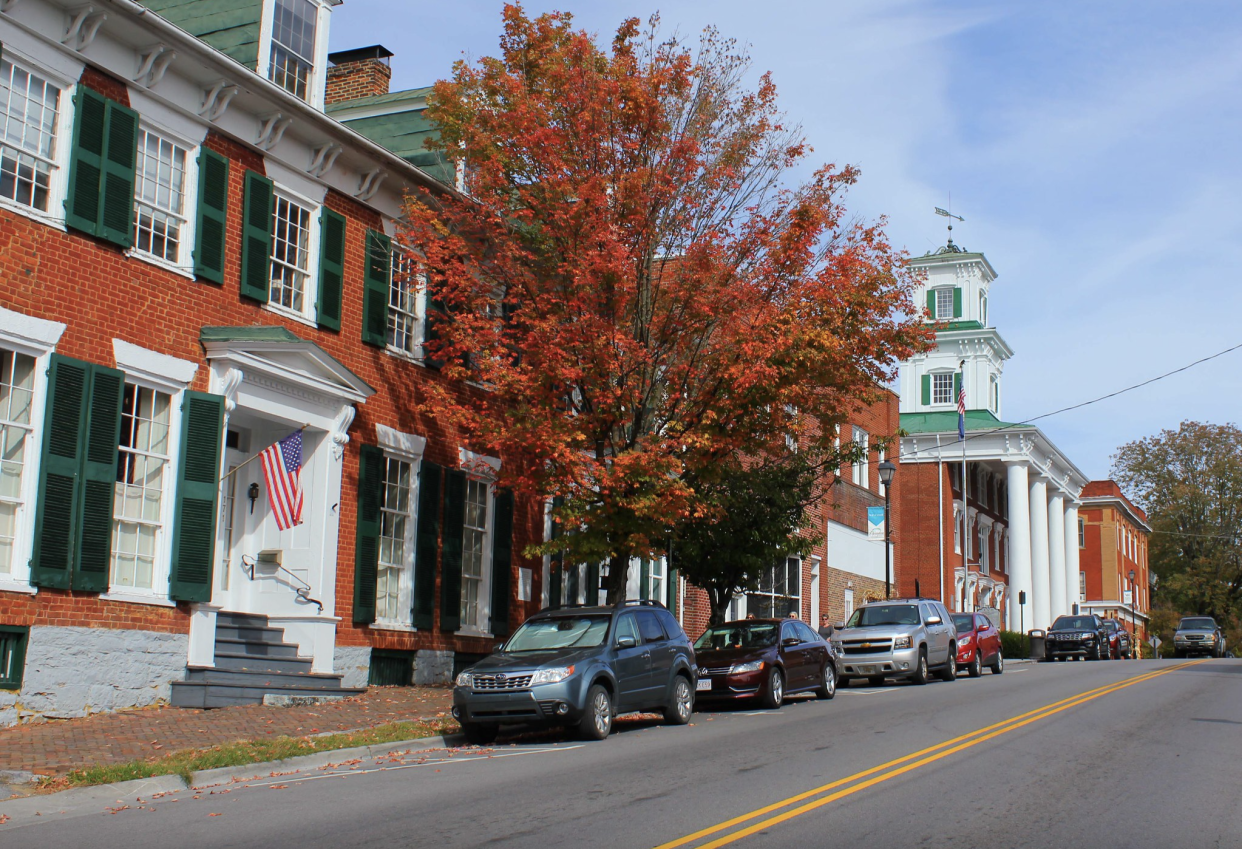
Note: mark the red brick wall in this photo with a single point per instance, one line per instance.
(351, 80)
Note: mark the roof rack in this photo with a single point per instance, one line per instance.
(638, 602)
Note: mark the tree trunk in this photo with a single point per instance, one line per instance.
(618, 577)
(719, 599)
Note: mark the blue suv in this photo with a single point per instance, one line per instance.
(580, 666)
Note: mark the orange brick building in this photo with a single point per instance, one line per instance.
(1115, 580)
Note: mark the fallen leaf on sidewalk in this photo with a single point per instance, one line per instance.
(4, 818)
(215, 815)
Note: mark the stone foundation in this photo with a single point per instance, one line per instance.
(354, 662)
(433, 667)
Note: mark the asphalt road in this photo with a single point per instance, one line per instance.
(1130, 755)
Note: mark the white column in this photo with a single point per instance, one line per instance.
(1019, 564)
(1071, 556)
(1039, 552)
(1056, 556)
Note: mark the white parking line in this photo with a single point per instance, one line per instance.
(852, 692)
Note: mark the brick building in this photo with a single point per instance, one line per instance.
(196, 262)
(987, 520)
(1114, 580)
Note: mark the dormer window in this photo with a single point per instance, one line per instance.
(293, 46)
(945, 303)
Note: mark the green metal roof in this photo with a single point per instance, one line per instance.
(230, 26)
(961, 325)
(945, 421)
(400, 127)
(409, 95)
(272, 333)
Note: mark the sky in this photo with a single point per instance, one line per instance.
(1092, 147)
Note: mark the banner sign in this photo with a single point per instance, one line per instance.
(875, 523)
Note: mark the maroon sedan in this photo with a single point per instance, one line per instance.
(763, 660)
(978, 644)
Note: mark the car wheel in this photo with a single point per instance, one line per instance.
(1098, 652)
(949, 671)
(875, 681)
(975, 668)
(596, 723)
(999, 665)
(678, 713)
(480, 735)
(776, 690)
(920, 668)
(828, 688)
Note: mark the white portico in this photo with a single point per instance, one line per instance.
(1005, 529)
(274, 383)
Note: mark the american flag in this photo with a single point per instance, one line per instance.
(961, 412)
(282, 461)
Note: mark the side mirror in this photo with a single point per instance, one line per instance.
(791, 641)
(626, 642)
(500, 646)
(840, 626)
(934, 620)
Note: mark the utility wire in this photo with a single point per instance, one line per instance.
(1012, 425)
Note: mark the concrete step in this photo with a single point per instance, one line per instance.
(201, 694)
(250, 633)
(227, 646)
(253, 663)
(263, 678)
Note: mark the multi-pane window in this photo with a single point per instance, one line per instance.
(12, 655)
(137, 509)
(472, 557)
(28, 106)
(779, 591)
(655, 580)
(849, 603)
(395, 543)
(957, 531)
(984, 543)
(17, 373)
(944, 303)
(942, 388)
(159, 210)
(861, 464)
(1082, 586)
(404, 323)
(293, 46)
(290, 254)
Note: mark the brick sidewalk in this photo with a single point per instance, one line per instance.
(58, 746)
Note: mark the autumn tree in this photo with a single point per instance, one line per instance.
(635, 278)
(1190, 483)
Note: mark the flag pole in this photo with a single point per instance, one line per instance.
(227, 474)
(965, 509)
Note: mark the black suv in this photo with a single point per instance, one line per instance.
(580, 666)
(1077, 636)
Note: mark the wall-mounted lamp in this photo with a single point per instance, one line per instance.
(253, 494)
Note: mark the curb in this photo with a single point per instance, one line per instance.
(60, 802)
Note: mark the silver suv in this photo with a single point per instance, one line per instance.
(899, 638)
(1198, 635)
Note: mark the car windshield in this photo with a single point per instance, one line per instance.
(1197, 625)
(884, 614)
(559, 632)
(1073, 623)
(963, 622)
(738, 635)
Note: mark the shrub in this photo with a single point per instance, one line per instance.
(1014, 645)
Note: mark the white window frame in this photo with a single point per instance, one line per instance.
(184, 265)
(795, 599)
(408, 448)
(318, 77)
(1082, 587)
(401, 254)
(957, 529)
(848, 603)
(62, 143)
(985, 545)
(30, 454)
(940, 292)
(862, 466)
(482, 470)
(937, 379)
(405, 570)
(310, 292)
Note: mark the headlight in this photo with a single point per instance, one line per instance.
(753, 666)
(552, 675)
(1087, 635)
(838, 648)
(906, 642)
(463, 679)
(965, 639)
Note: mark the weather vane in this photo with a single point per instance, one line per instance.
(945, 212)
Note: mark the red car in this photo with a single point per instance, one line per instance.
(978, 644)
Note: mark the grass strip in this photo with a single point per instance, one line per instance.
(187, 762)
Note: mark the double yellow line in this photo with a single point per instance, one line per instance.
(824, 795)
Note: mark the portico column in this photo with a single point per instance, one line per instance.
(1019, 564)
(1056, 556)
(1039, 552)
(1071, 556)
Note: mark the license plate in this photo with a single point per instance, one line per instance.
(703, 684)
(865, 670)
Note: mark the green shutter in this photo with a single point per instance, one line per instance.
(256, 258)
(376, 279)
(957, 302)
(957, 386)
(198, 485)
(671, 588)
(502, 563)
(556, 563)
(116, 203)
(926, 390)
(59, 472)
(212, 221)
(450, 562)
(98, 481)
(86, 163)
(366, 546)
(644, 577)
(427, 544)
(931, 302)
(331, 268)
(590, 592)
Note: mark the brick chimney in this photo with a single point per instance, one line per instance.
(363, 72)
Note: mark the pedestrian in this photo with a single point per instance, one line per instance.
(750, 616)
(793, 614)
(825, 627)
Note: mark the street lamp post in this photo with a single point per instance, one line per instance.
(886, 477)
(1133, 615)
